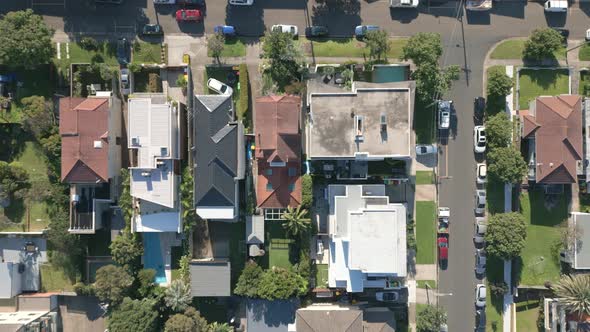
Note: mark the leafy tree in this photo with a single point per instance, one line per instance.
(178, 295)
(499, 84)
(499, 131)
(423, 48)
(430, 319)
(190, 321)
(134, 67)
(498, 289)
(220, 327)
(145, 279)
(134, 316)
(432, 81)
(25, 40)
(284, 57)
(249, 280)
(112, 283)
(573, 291)
(542, 44)
(14, 179)
(126, 251)
(505, 236)
(306, 191)
(200, 322)
(296, 221)
(506, 164)
(378, 43)
(125, 198)
(39, 119)
(215, 45)
(59, 238)
(82, 289)
(279, 283)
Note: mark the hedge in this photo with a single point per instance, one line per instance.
(244, 96)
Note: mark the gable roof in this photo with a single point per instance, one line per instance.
(277, 128)
(286, 189)
(83, 123)
(558, 138)
(317, 320)
(219, 152)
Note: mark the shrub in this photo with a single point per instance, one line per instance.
(82, 289)
(154, 83)
(181, 81)
(88, 43)
(184, 270)
(306, 192)
(244, 92)
(134, 67)
(498, 289)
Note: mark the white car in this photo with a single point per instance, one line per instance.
(241, 2)
(480, 202)
(480, 262)
(480, 295)
(444, 114)
(285, 28)
(219, 87)
(480, 231)
(479, 139)
(125, 84)
(164, 2)
(423, 149)
(481, 173)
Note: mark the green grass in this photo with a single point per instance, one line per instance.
(539, 262)
(541, 82)
(106, 51)
(513, 49)
(422, 283)
(424, 177)
(347, 47)
(425, 232)
(584, 83)
(147, 53)
(321, 275)
(494, 273)
(234, 47)
(584, 53)
(54, 279)
(278, 244)
(527, 313)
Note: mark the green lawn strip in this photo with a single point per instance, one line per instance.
(495, 196)
(425, 232)
(584, 53)
(106, 51)
(148, 53)
(237, 249)
(53, 279)
(494, 273)
(541, 82)
(527, 313)
(424, 177)
(347, 47)
(584, 87)
(539, 264)
(422, 283)
(321, 275)
(234, 47)
(513, 49)
(424, 123)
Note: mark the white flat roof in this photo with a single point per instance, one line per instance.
(581, 253)
(169, 221)
(216, 212)
(159, 186)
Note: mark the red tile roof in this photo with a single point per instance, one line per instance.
(82, 122)
(276, 127)
(557, 128)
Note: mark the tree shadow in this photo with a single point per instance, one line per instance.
(334, 13)
(547, 210)
(12, 137)
(478, 17)
(514, 9)
(248, 20)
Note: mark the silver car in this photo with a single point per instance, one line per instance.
(444, 114)
(480, 295)
(480, 262)
(480, 202)
(480, 231)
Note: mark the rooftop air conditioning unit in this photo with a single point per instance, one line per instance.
(146, 174)
(163, 151)
(134, 141)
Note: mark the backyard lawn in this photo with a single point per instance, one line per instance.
(527, 313)
(543, 231)
(584, 53)
(234, 47)
(321, 275)
(279, 244)
(347, 47)
(541, 82)
(512, 49)
(424, 177)
(54, 280)
(147, 53)
(425, 232)
(106, 51)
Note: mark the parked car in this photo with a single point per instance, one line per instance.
(480, 320)
(219, 87)
(199, 3)
(164, 2)
(587, 35)
(479, 106)
(480, 262)
(480, 202)
(389, 296)
(481, 173)
(361, 30)
(565, 33)
(556, 6)
(125, 86)
(423, 149)
(183, 15)
(316, 31)
(285, 28)
(444, 114)
(241, 2)
(480, 231)
(123, 51)
(443, 251)
(479, 139)
(480, 295)
(226, 30)
(152, 29)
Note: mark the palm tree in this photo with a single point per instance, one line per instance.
(178, 296)
(574, 293)
(295, 220)
(220, 327)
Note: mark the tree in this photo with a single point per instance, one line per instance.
(423, 48)
(249, 280)
(573, 291)
(25, 40)
(499, 131)
(189, 321)
(278, 283)
(125, 198)
(112, 283)
(378, 43)
(126, 251)
(296, 221)
(13, 178)
(306, 191)
(284, 57)
(39, 119)
(178, 296)
(220, 327)
(542, 44)
(430, 319)
(505, 236)
(432, 81)
(134, 316)
(506, 164)
(145, 279)
(215, 45)
(499, 84)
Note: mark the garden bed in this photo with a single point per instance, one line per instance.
(141, 80)
(541, 82)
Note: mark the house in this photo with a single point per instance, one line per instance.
(33, 312)
(20, 258)
(219, 157)
(154, 175)
(551, 129)
(580, 257)
(271, 316)
(90, 130)
(558, 318)
(325, 317)
(278, 151)
(367, 246)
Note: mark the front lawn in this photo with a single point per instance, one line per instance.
(543, 217)
(147, 53)
(321, 276)
(347, 47)
(541, 82)
(584, 53)
(106, 52)
(425, 232)
(513, 49)
(424, 177)
(422, 283)
(234, 47)
(527, 313)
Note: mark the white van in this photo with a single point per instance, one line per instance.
(559, 6)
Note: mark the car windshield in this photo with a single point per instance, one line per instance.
(389, 296)
(422, 149)
(223, 88)
(292, 29)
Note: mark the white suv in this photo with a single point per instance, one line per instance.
(479, 139)
(219, 87)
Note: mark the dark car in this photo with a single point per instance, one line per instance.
(316, 31)
(123, 51)
(200, 3)
(480, 320)
(152, 29)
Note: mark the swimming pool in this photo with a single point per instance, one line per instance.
(153, 256)
(390, 73)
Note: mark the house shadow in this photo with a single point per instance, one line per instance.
(478, 17)
(514, 9)
(403, 16)
(248, 20)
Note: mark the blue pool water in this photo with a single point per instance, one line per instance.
(152, 255)
(389, 74)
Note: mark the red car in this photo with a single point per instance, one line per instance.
(443, 250)
(188, 15)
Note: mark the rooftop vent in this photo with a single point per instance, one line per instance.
(98, 144)
(163, 151)
(134, 141)
(383, 122)
(146, 174)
